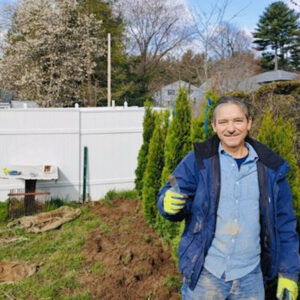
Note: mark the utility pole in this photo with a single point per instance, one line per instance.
(108, 71)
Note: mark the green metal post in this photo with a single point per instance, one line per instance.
(84, 173)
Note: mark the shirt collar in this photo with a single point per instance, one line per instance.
(252, 155)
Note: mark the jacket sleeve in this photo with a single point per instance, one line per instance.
(289, 262)
(186, 174)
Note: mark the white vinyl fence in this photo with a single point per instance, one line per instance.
(57, 136)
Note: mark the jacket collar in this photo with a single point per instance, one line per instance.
(210, 147)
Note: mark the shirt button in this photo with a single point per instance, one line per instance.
(232, 240)
(235, 220)
(236, 201)
(237, 182)
(232, 165)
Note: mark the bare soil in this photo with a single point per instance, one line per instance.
(128, 258)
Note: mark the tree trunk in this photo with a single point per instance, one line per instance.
(276, 58)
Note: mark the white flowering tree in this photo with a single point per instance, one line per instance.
(50, 52)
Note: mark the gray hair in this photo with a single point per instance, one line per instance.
(231, 100)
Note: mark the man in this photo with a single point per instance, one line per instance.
(240, 228)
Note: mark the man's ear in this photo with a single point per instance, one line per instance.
(249, 125)
(213, 124)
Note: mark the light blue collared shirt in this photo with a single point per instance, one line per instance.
(235, 248)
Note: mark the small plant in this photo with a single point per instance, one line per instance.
(105, 228)
(128, 194)
(147, 238)
(113, 194)
(99, 268)
(109, 197)
(173, 283)
(3, 211)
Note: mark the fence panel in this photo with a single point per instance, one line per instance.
(54, 136)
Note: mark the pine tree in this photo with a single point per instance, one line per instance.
(148, 128)
(295, 53)
(155, 164)
(178, 144)
(277, 29)
(280, 136)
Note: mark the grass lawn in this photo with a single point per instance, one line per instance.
(58, 252)
(108, 245)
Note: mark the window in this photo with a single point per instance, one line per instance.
(171, 92)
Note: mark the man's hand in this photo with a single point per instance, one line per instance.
(290, 286)
(173, 202)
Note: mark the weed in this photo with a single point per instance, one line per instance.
(128, 194)
(113, 194)
(105, 228)
(99, 268)
(3, 211)
(55, 203)
(109, 197)
(147, 238)
(172, 283)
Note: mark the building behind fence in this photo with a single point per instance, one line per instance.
(57, 136)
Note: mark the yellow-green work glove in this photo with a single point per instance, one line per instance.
(173, 202)
(291, 287)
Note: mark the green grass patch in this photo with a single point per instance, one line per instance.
(98, 268)
(128, 194)
(59, 253)
(113, 194)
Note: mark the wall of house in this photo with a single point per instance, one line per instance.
(57, 136)
(166, 96)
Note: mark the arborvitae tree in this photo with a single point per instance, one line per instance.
(198, 125)
(178, 144)
(178, 141)
(155, 164)
(280, 136)
(148, 128)
(277, 30)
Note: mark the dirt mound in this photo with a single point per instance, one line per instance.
(127, 258)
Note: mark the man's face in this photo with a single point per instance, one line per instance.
(231, 126)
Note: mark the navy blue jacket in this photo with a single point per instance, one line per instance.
(198, 176)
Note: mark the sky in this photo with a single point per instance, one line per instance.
(243, 13)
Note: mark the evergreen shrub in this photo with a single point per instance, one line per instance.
(148, 128)
(155, 164)
(177, 145)
(280, 135)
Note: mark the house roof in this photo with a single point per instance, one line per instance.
(275, 76)
(180, 83)
(254, 82)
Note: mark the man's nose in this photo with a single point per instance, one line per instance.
(230, 128)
